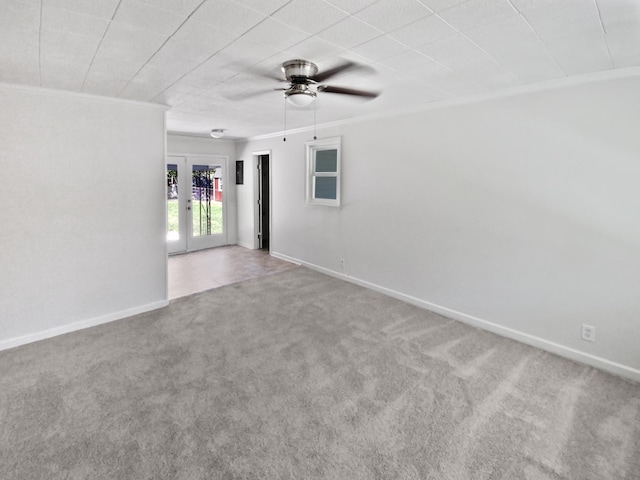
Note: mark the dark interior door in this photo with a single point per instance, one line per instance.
(264, 201)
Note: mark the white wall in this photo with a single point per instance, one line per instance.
(518, 214)
(247, 199)
(83, 210)
(247, 196)
(186, 145)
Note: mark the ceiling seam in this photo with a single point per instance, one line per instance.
(494, 60)
(217, 52)
(387, 34)
(40, 47)
(446, 67)
(461, 33)
(604, 33)
(357, 11)
(409, 48)
(191, 96)
(349, 15)
(104, 34)
(310, 35)
(604, 29)
(205, 61)
(533, 30)
(160, 47)
(382, 33)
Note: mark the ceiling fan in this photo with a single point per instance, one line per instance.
(305, 81)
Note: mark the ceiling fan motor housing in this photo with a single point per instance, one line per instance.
(304, 81)
(299, 71)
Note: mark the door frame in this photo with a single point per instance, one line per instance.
(180, 245)
(257, 194)
(185, 193)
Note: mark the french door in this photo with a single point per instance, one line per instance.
(196, 210)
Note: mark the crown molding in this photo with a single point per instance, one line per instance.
(88, 96)
(202, 136)
(547, 85)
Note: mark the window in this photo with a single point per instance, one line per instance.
(323, 172)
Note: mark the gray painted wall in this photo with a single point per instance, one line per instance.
(518, 214)
(82, 195)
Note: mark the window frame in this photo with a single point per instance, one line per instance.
(312, 147)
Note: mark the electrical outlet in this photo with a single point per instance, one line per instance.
(342, 262)
(588, 333)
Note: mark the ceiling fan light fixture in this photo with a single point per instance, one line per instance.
(300, 95)
(217, 133)
(301, 99)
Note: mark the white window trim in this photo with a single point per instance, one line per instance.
(333, 143)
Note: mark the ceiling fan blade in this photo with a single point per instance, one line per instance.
(347, 91)
(271, 76)
(247, 95)
(343, 67)
(263, 72)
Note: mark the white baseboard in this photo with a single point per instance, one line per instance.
(549, 346)
(286, 258)
(80, 325)
(245, 245)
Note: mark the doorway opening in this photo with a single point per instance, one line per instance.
(264, 203)
(196, 209)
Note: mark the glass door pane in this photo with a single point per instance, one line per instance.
(206, 200)
(173, 220)
(206, 205)
(176, 208)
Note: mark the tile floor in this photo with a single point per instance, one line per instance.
(205, 269)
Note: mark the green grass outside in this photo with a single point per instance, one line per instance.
(172, 216)
(216, 217)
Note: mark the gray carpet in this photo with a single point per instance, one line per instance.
(301, 376)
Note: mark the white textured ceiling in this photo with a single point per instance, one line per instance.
(202, 57)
